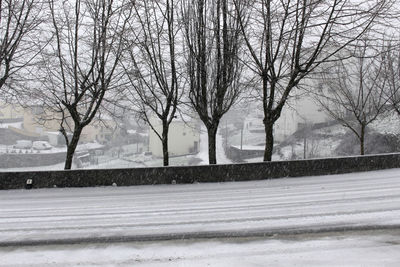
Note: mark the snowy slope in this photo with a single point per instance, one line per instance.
(269, 206)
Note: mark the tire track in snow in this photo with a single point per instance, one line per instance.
(351, 199)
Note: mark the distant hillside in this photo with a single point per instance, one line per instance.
(332, 139)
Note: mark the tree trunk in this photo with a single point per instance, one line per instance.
(269, 140)
(71, 147)
(165, 144)
(362, 140)
(212, 133)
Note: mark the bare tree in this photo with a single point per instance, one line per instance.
(356, 92)
(81, 66)
(156, 83)
(19, 37)
(213, 39)
(287, 40)
(391, 74)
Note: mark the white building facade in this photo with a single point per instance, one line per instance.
(183, 139)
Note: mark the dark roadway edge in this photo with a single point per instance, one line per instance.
(255, 233)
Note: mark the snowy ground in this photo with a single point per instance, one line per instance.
(387, 124)
(350, 249)
(107, 215)
(12, 124)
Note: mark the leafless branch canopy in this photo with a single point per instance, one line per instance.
(19, 38)
(154, 64)
(213, 40)
(391, 75)
(80, 66)
(354, 90)
(287, 40)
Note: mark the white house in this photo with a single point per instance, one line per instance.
(299, 111)
(253, 128)
(183, 138)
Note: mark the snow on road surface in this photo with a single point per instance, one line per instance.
(67, 215)
(350, 249)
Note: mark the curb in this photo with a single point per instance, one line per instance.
(268, 233)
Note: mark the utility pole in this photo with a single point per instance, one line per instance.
(241, 139)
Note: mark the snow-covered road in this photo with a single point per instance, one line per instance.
(350, 201)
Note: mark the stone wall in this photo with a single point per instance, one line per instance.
(20, 160)
(202, 174)
(238, 155)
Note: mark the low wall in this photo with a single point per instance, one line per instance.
(202, 174)
(13, 120)
(20, 160)
(238, 155)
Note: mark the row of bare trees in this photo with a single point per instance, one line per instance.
(360, 87)
(288, 40)
(151, 56)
